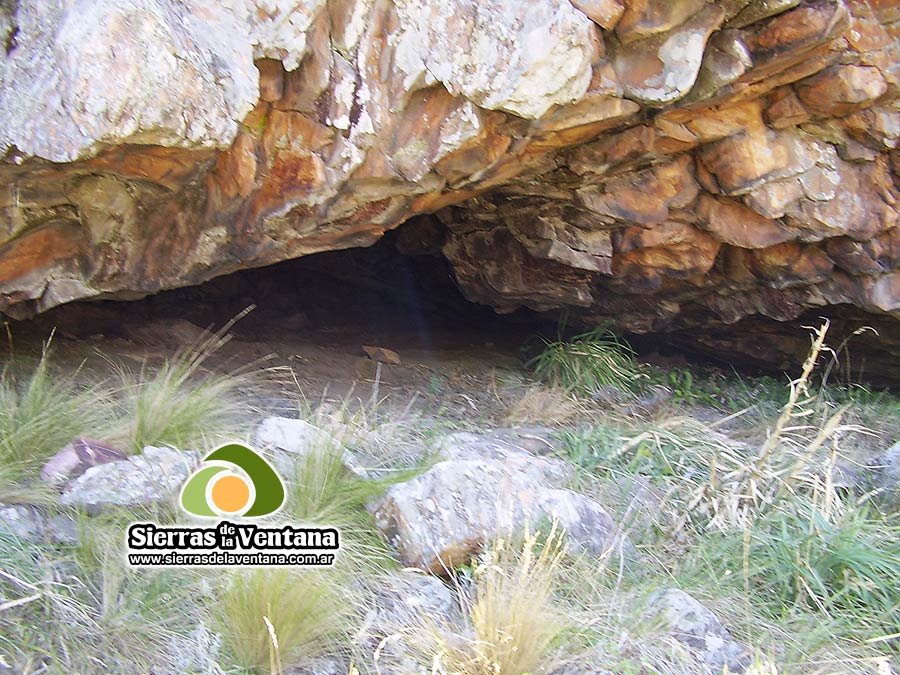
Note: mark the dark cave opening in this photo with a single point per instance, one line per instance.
(400, 293)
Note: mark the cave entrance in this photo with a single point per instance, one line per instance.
(314, 315)
(398, 293)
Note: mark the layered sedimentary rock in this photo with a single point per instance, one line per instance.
(675, 165)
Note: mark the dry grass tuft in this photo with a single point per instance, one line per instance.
(273, 616)
(542, 405)
(512, 618)
(797, 459)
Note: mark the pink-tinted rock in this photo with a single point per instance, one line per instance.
(76, 458)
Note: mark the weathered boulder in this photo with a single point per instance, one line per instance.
(154, 477)
(445, 516)
(153, 145)
(694, 625)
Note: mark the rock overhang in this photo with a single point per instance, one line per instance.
(672, 166)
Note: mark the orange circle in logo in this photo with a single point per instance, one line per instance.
(230, 494)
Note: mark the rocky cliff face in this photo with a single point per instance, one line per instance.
(676, 165)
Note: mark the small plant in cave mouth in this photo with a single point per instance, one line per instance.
(592, 363)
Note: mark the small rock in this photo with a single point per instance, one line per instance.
(291, 435)
(382, 354)
(22, 521)
(152, 477)
(884, 472)
(76, 458)
(33, 524)
(695, 626)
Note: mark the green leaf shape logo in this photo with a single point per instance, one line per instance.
(218, 488)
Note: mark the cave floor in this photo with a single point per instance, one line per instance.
(461, 369)
(457, 370)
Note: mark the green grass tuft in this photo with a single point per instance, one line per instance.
(589, 363)
(41, 411)
(181, 403)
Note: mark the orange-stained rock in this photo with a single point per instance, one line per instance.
(169, 167)
(785, 110)
(788, 262)
(745, 160)
(841, 89)
(43, 248)
(649, 17)
(796, 29)
(271, 79)
(732, 223)
(720, 122)
(676, 249)
(605, 13)
(644, 197)
(235, 170)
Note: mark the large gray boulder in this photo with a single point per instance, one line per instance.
(445, 516)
